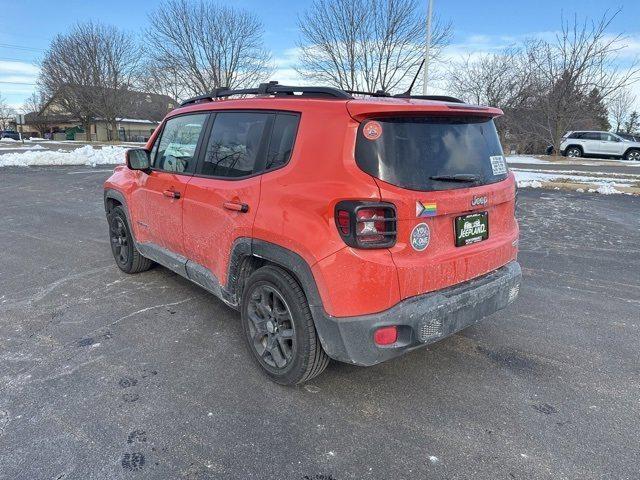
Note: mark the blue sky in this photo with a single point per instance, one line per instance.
(26, 27)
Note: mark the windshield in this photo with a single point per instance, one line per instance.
(431, 153)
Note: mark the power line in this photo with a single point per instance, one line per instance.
(17, 83)
(20, 47)
(16, 60)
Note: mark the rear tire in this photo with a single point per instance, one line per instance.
(127, 257)
(574, 152)
(633, 154)
(279, 328)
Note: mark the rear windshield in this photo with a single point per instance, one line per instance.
(410, 151)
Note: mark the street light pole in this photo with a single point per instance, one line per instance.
(426, 48)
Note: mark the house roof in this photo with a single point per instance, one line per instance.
(140, 106)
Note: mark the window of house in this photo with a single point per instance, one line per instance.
(234, 144)
(176, 149)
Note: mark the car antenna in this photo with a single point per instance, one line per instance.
(408, 92)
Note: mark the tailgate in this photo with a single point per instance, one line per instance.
(441, 263)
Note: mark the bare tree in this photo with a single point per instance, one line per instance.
(89, 72)
(162, 80)
(365, 44)
(66, 75)
(7, 114)
(34, 105)
(579, 66)
(499, 79)
(116, 68)
(620, 107)
(201, 46)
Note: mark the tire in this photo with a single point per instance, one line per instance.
(574, 152)
(127, 257)
(633, 154)
(279, 328)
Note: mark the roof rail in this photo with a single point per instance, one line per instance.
(271, 88)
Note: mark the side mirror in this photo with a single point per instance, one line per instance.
(138, 159)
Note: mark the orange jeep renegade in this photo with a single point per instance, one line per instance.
(349, 228)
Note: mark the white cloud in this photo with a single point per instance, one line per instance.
(22, 68)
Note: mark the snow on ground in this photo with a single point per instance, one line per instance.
(524, 159)
(604, 183)
(86, 155)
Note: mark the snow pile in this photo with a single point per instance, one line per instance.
(8, 140)
(86, 155)
(607, 189)
(529, 183)
(605, 184)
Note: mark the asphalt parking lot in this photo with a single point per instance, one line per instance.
(109, 376)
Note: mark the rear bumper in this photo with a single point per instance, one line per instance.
(421, 320)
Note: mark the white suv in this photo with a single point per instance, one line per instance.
(598, 144)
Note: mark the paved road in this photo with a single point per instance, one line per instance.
(109, 376)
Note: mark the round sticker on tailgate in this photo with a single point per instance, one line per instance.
(372, 130)
(420, 236)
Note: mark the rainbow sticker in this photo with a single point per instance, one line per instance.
(424, 209)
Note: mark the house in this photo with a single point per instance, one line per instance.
(142, 114)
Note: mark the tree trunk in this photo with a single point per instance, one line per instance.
(87, 130)
(114, 129)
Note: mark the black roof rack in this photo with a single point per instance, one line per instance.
(273, 88)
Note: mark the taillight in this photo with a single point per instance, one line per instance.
(365, 224)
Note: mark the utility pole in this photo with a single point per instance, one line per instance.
(426, 48)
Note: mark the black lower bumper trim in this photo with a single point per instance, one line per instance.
(420, 320)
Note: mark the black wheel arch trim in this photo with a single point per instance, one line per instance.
(276, 254)
(113, 194)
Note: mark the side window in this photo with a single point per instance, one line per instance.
(177, 146)
(282, 139)
(591, 136)
(234, 144)
(577, 135)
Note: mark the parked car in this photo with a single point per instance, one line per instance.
(599, 144)
(351, 229)
(9, 134)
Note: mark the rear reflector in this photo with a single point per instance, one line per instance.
(386, 335)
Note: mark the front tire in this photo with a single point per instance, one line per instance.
(633, 155)
(279, 328)
(127, 257)
(574, 152)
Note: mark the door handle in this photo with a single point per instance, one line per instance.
(171, 194)
(236, 207)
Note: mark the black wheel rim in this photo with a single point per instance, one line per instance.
(271, 328)
(119, 240)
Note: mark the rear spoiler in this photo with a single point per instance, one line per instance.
(361, 109)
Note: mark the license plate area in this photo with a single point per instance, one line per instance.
(471, 228)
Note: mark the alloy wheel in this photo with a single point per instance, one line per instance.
(119, 240)
(271, 326)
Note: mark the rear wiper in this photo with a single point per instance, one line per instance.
(458, 177)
